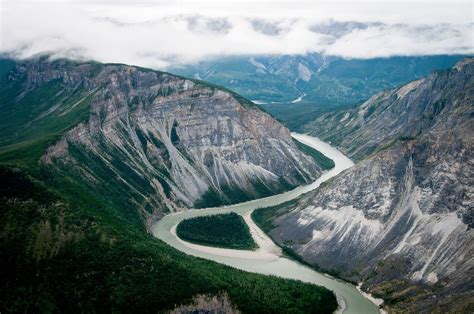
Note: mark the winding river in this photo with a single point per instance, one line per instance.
(267, 258)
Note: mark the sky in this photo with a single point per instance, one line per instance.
(161, 34)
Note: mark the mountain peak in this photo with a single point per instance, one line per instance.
(416, 108)
(402, 216)
(165, 141)
(464, 62)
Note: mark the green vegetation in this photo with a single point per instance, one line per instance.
(321, 160)
(369, 112)
(392, 143)
(57, 257)
(66, 246)
(32, 122)
(211, 198)
(295, 116)
(294, 256)
(234, 194)
(339, 82)
(174, 134)
(406, 138)
(223, 230)
(263, 217)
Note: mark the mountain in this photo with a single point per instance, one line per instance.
(157, 142)
(91, 154)
(438, 102)
(293, 86)
(400, 220)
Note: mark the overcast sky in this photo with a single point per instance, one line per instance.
(163, 33)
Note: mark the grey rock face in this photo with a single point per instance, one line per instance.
(406, 211)
(165, 143)
(207, 304)
(389, 205)
(437, 103)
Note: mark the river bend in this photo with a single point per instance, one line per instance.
(267, 258)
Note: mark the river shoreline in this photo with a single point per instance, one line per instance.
(268, 259)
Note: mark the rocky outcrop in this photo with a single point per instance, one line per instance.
(401, 220)
(436, 103)
(160, 142)
(203, 304)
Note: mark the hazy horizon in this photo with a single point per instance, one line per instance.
(165, 33)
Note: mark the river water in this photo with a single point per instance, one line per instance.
(267, 259)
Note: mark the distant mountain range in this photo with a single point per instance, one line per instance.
(401, 220)
(330, 81)
(296, 88)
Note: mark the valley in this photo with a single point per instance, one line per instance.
(162, 142)
(91, 155)
(267, 258)
(237, 157)
(297, 89)
(97, 156)
(401, 219)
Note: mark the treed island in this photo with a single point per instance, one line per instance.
(222, 230)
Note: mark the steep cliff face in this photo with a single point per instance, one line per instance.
(156, 141)
(400, 220)
(435, 103)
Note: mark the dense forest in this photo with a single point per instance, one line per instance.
(222, 230)
(263, 216)
(320, 159)
(59, 257)
(66, 248)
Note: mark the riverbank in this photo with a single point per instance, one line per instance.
(260, 261)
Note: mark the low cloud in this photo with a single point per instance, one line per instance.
(160, 34)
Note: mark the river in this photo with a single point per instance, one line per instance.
(267, 259)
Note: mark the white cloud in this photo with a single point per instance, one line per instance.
(161, 33)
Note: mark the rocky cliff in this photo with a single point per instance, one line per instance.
(438, 102)
(152, 140)
(401, 220)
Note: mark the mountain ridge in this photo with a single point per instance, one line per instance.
(325, 80)
(385, 114)
(76, 200)
(401, 219)
(173, 142)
